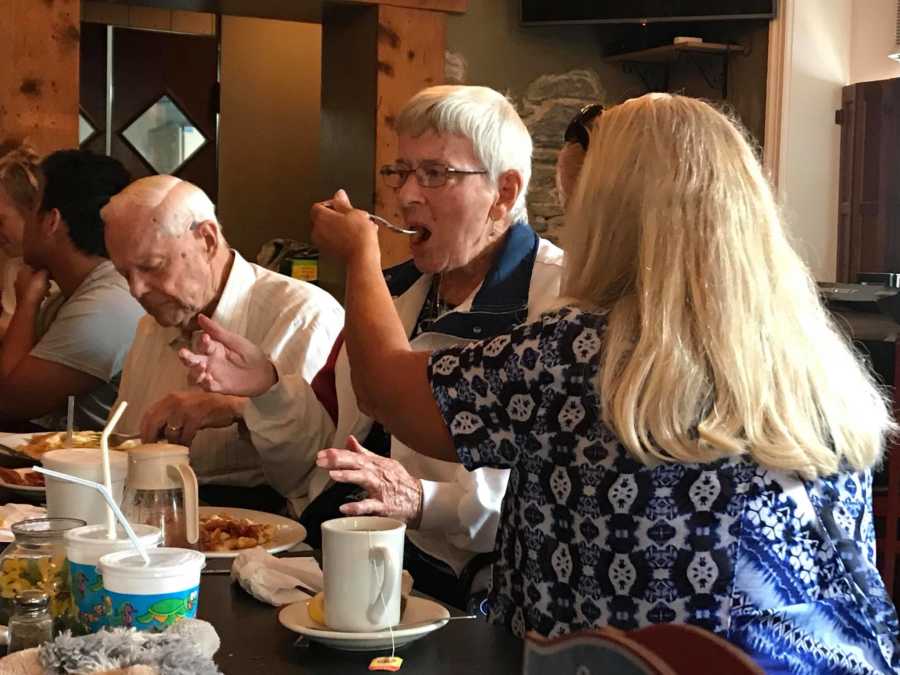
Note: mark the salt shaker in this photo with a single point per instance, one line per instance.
(31, 625)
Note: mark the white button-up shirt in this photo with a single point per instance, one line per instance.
(294, 322)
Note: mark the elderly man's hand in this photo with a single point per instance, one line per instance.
(392, 492)
(177, 417)
(31, 285)
(341, 231)
(227, 363)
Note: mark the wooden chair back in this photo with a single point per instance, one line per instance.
(666, 649)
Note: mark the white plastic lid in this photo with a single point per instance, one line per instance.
(164, 562)
(95, 535)
(84, 462)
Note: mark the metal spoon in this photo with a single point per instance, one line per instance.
(378, 220)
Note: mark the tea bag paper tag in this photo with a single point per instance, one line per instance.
(389, 663)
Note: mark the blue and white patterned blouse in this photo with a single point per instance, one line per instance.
(589, 537)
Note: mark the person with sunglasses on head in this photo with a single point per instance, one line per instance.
(576, 140)
(691, 438)
(477, 269)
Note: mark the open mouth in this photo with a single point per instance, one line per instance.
(422, 234)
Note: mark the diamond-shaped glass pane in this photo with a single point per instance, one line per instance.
(164, 136)
(85, 129)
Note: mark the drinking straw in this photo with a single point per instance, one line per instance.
(110, 502)
(107, 476)
(70, 421)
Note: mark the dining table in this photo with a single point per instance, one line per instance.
(253, 641)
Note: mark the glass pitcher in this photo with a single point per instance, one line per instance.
(36, 560)
(161, 490)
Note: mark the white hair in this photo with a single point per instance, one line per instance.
(171, 204)
(484, 116)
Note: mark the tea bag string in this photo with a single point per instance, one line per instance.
(381, 592)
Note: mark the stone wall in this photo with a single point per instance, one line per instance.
(547, 107)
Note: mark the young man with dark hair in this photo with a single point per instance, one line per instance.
(71, 341)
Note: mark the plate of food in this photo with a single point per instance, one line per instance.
(23, 481)
(225, 531)
(29, 448)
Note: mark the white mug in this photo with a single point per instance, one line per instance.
(362, 560)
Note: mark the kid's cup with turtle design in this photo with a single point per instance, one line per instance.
(84, 547)
(151, 597)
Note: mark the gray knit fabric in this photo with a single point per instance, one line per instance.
(173, 652)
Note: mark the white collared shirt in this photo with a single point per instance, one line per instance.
(295, 323)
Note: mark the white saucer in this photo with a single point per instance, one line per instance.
(296, 618)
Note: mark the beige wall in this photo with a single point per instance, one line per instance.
(874, 24)
(269, 129)
(817, 66)
(827, 45)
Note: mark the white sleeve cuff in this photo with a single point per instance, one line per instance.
(275, 402)
(440, 506)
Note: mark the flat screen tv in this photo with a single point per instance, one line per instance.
(537, 12)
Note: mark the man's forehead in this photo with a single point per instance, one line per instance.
(145, 240)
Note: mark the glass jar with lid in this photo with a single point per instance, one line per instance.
(36, 560)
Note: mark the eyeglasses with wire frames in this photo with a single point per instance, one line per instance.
(577, 131)
(428, 174)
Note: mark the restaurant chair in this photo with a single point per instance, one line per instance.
(682, 646)
(666, 649)
(886, 498)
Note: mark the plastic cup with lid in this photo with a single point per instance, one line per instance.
(151, 597)
(68, 500)
(84, 548)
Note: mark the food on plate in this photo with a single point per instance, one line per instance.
(25, 477)
(316, 608)
(222, 532)
(55, 440)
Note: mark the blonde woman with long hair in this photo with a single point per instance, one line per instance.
(19, 195)
(689, 438)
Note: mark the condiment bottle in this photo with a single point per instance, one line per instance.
(31, 625)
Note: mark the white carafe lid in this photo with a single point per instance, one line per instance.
(148, 466)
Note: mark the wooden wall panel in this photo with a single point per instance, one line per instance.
(411, 45)
(39, 77)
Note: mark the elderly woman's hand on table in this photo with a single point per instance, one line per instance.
(391, 490)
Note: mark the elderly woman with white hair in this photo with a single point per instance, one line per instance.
(690, 438)
(461, 173)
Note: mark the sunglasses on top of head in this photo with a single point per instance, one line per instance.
(577, 131)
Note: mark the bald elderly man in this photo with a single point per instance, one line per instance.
(163, 237)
